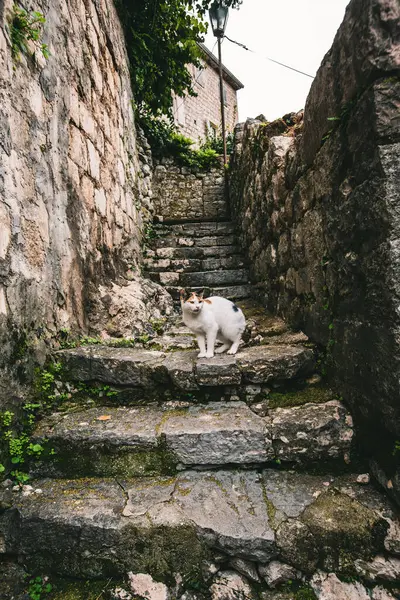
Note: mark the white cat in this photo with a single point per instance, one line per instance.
(213, 319)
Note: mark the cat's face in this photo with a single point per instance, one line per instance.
(191, 301)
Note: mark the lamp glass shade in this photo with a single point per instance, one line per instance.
(218, 18)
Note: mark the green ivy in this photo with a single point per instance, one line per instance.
(25, 27)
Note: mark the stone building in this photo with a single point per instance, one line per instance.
(197, 116)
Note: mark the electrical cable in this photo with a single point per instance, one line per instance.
(268, 58)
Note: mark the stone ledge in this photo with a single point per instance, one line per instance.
(85, 528)
(106, 441)
(149, 368)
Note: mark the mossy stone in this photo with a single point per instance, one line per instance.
(120, 462)
(166, 550)
(82, 590)
(314, 394)
(344, 529)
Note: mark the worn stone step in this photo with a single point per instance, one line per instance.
(90, 528)
(201, 278)
(232, 292)
(193, 252)
(182, 241)
(182, 369)
(195, 229)
(189, 265)
(130, 442)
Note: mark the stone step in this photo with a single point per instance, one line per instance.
(182, 370)
(201, 278)
(190, 265)
(195, 229)
(193, 252)
(232, 292)
(92, 528)
(181, 241)
(132, 442)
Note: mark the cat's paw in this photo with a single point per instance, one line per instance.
(230, 351)
(209, 354)
(220, 350)
(201, 355)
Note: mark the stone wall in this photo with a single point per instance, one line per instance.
(73, 193)
(180, 193)
(319, 216)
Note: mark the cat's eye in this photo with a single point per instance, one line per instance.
(191, 301)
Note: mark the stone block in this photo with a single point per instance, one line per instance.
(94, 161)
(100, 202)
(328, 425)
(77, 148)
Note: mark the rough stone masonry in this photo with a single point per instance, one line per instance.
(319, 216)
(74, 196)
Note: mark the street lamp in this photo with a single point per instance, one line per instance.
(219, 18)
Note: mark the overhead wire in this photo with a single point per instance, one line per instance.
(268, 58)
(253, 52)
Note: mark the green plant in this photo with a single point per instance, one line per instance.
(99, 391)
(25, 27)
(396, 448)
(38, 588)
(122, 343)
(158, 325)
(16, 429)
(20, 477)
(45, 386)
(165, 141)
(161, 40)
(215, 142)
(144, 338)
(6, 418)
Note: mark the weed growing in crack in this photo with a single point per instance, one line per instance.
(25, 27)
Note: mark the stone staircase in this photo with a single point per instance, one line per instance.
(200, 472)
(198, 255)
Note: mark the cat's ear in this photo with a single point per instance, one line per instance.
(182, 294)
(200, 295)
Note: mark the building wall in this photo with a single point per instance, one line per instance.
(193, 115)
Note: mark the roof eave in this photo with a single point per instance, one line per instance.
(227, 75)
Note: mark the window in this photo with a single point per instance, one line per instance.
(200, 76)
(225, 95)
(179, 110)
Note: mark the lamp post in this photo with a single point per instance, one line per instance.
(219, 18)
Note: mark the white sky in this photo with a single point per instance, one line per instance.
(295, 32)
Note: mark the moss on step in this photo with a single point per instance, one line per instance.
(314, 394)
(345, 529)
(166, 550)
(121, 462)
(83, 590)
(305, 593)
